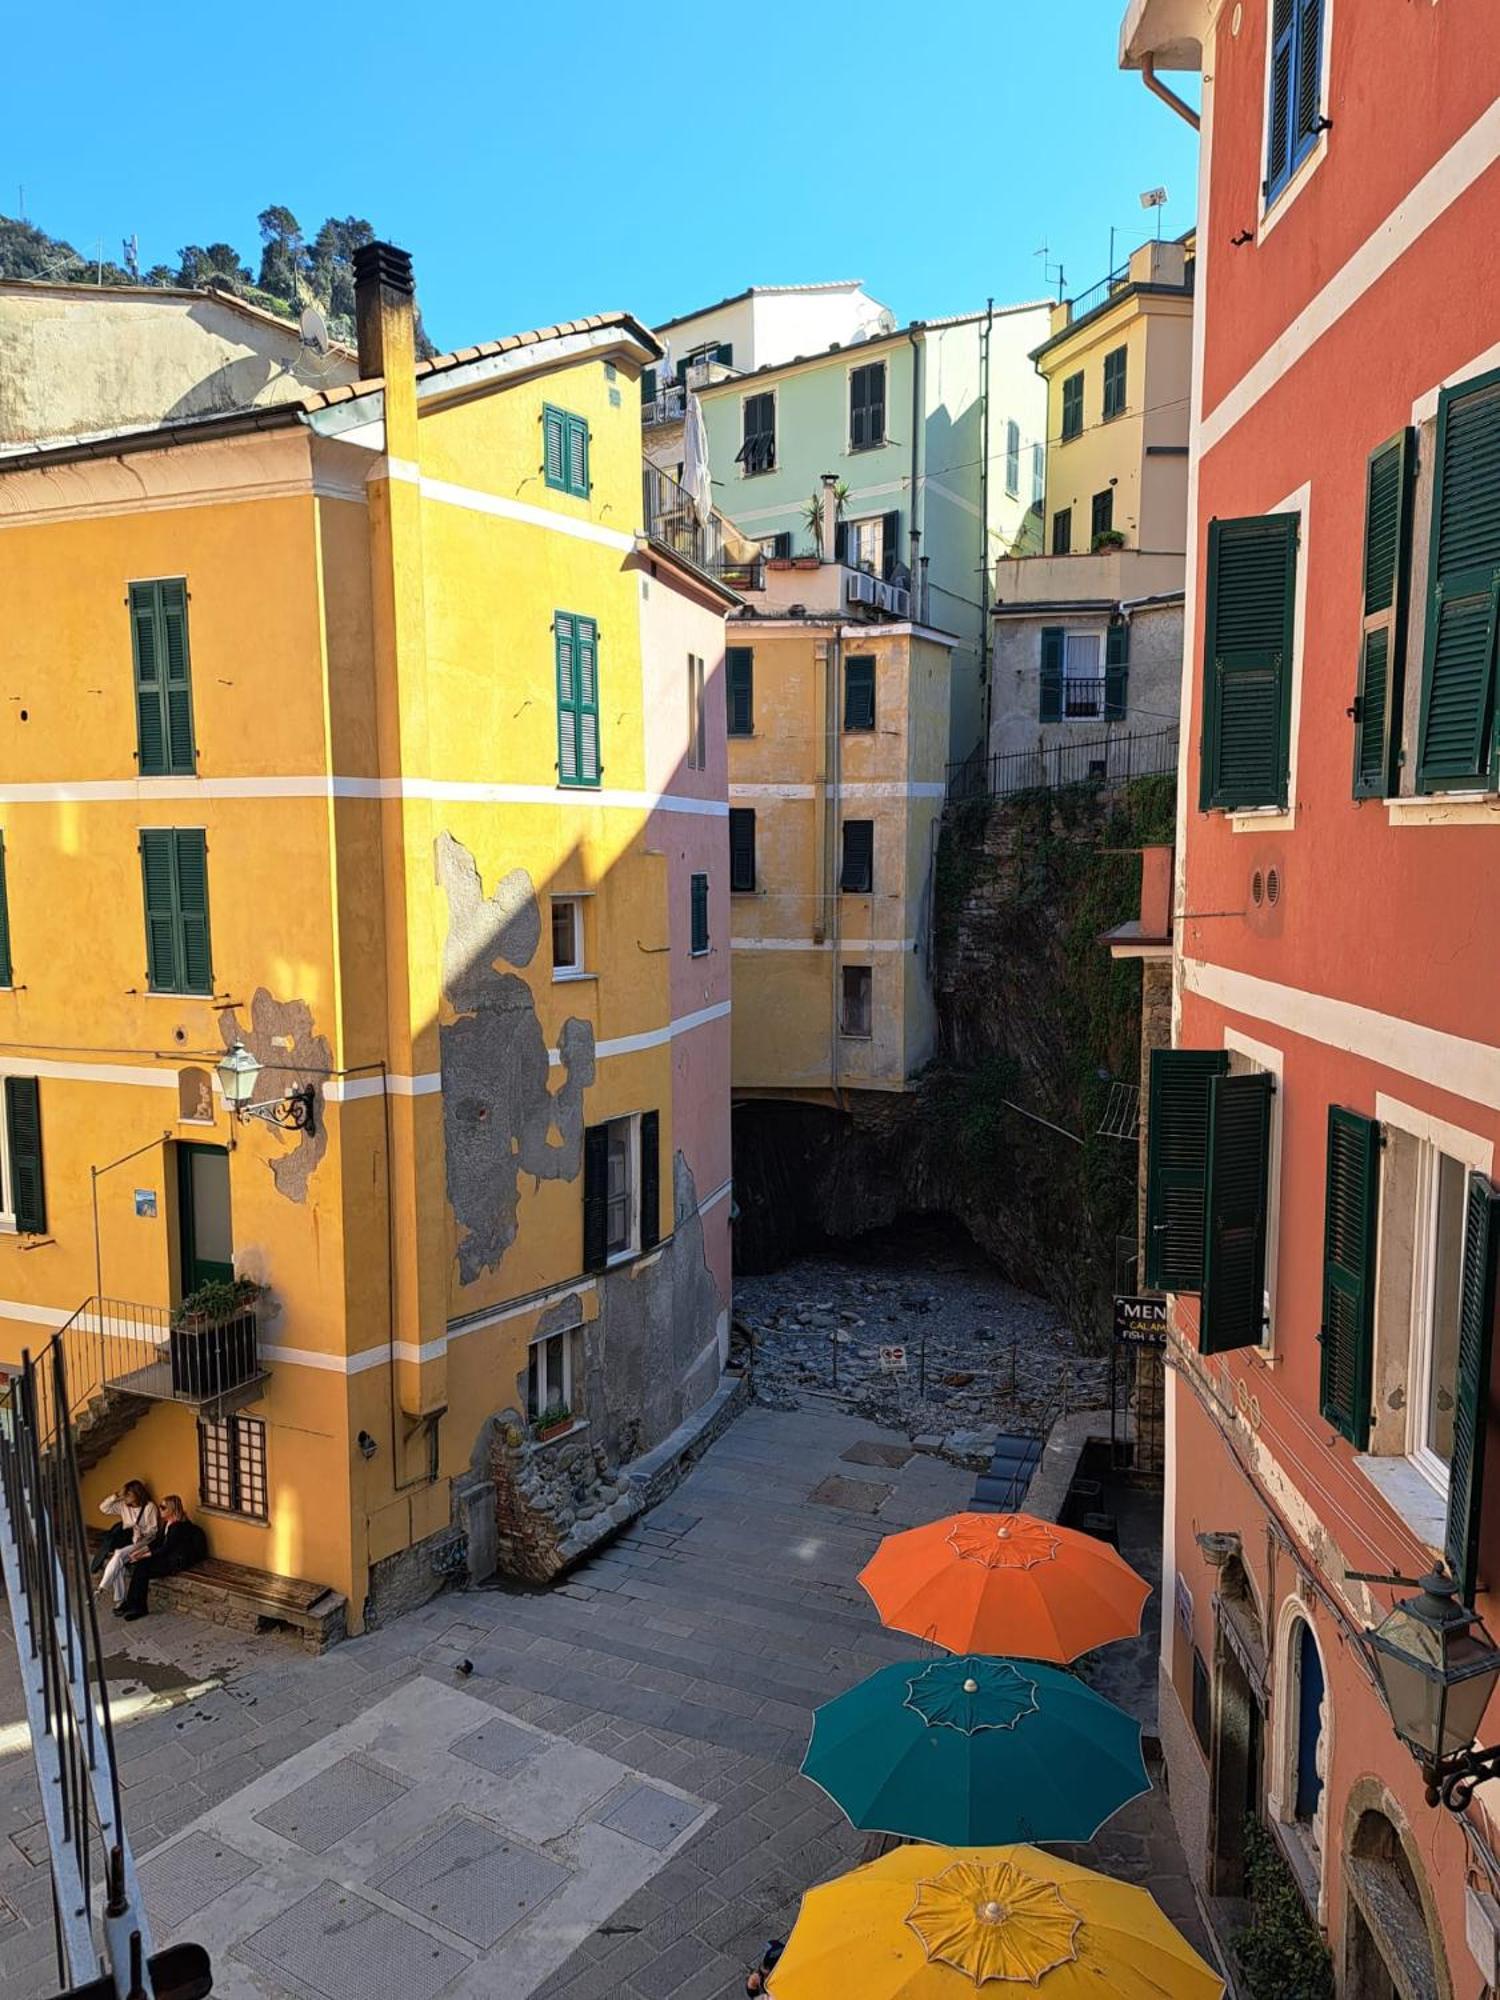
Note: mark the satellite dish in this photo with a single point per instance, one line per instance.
(315, 330)
(886, 320)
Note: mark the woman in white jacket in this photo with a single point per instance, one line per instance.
(138, 1526)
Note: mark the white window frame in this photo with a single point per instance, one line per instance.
(631, 1247)
(1096, 678)
(1271, 210)
(1424, 1284)
(579, 968)
(852, 559)
(864, 1034)
(537, 1346)
(7, 1187)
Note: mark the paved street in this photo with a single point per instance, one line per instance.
(606, 1803)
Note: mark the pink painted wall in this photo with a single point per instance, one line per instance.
(677, 621)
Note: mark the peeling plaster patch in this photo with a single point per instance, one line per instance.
(481, 929)
(280, 1036)
(500, 1117)
(653, 1352)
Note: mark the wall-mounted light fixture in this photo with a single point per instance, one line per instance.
(1436, 1667)
(367, 1445)
(238, 1073)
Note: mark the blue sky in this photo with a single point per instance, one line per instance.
(541, 161)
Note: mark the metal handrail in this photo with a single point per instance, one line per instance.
(1112, 759)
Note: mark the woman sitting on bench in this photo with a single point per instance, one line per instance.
(180, 1544)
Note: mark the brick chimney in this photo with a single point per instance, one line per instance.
(386, 326)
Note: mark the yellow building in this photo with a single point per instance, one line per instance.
(373, 732)
(838, 733)
(1087, 640)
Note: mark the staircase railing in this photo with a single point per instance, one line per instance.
(145, 1350)
(102, 1931)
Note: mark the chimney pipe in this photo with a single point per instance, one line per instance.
(386, 328)
(828, 517)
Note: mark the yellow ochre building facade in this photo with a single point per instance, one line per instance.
(370, 732)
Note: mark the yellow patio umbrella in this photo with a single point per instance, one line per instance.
(985, 1923)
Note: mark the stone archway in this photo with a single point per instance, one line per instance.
(1393, 1941)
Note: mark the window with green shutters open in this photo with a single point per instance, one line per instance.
(576, 648)
(739, 675)
(1247, 693)
(23, 1195)
(1294, 108)
(1380, 695)
(163, 680)
(174, 876)
(1472, 1397)
(1351, 1200)
(1072, 406)
(742, 849)
(565, 451)
(1177, 1163)
(1456, 742)
(7, 973)
(757, 453)
(699, 899)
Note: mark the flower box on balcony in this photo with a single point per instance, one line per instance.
(213, 1339)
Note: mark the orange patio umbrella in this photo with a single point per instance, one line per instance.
(1005, 1583)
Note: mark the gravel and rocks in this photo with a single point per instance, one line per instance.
(996, 1358)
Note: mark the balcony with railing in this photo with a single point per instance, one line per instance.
(668, 405)
(709, 544)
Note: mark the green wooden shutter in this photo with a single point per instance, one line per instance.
(1382, 665)
(739, 668)
(742, 848)
(23, 1125)
(859, 691)
(651, 1177)
(587, 670)
(1234, 1218)
(1116, 669)
(648, 385)
(7, 972)
(1050, 709)
(1455, 740)
(150, 682)
(567, 699)
(857, 876)
(1176, 1163)
(191, 856)
(578, 457)
(555, 447)
(890, 543)
(699, 892)
(1252, 570)
(595, 1197)
(171, 598)
(159, 885)
(1472, 1412)
(1351, 1202)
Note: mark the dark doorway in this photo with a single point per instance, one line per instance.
(1387, 1928)
(205, 1236)
(1235, 1773)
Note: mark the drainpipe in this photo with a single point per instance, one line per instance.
(984, 521)
(1168, 97)
(914, 528)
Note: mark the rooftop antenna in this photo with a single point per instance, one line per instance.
(1155, 198)
(1048, 269)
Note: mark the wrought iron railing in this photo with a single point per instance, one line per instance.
(101, 1929)
(155, 1352)
(673, 520)
(1101, 760)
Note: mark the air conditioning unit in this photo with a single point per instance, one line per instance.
(862, 588)
(893, 599)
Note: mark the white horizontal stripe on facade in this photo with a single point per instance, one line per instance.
(178, 791)
(1442, 184)
(855, 945)
(345, 1090)
(1447, 1062)
(477, 502)
(651, 1038)
(874, 788)
(19, 1064)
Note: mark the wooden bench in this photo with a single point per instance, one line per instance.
(252, 1600)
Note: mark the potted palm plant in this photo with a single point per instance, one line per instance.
(213, 1345)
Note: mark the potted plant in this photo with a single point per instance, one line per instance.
(213, 1345)
(1109, 538)
(552, 1422)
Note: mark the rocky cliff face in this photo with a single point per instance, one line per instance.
(1035, 1023)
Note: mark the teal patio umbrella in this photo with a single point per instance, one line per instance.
(976, 1752)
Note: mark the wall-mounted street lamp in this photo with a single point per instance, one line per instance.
(238, 1074)
(1437, 1667)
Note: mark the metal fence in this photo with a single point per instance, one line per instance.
(1101, 760)
(206, 1359)
(674, 522)
(102, 1938)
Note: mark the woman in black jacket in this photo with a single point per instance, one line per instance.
(180, 1544)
